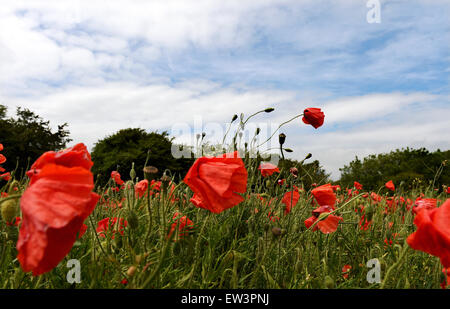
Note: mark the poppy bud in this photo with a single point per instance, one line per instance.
(257, 131)
(268, 183)
(132, 172)
(308, 156)
(13, 186)
(8, 210)
(133, 220)
(234, 118)
(294, 171)
(288, 150)
(276, 231)
(269, 110)
(203, 135)
(150, 172)
(131, 271)
(282, 138)
(329, 282)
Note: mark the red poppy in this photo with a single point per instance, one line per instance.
(141, 188)
(6, 176)
(433, 232)
(390, 185)
(448, 190)
(54, 207)
(426, 203)
(116, 176)
(184, 224)
(357, 185)
(107, 224)
(290, 199)
(216, 182)
(375, 197)
(268, 169)
(313, 116)
(327, 225)
(324, 195)
(346, 270)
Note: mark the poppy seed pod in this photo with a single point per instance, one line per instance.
(131, 271)
(150, 172)
(282, 138)
(8, 210)
(269, 110)
(133, 220)
(132, 172)
(329, 282)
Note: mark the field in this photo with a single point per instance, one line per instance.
(260, 233)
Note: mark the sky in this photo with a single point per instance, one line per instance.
(382, 80)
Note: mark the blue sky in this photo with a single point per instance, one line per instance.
(105, 65)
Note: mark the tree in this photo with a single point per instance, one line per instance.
(405, 165)
(27, 137)
(120, 150)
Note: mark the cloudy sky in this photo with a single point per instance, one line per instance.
(102, 66)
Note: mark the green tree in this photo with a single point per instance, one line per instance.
(120, 150)
(28, 136)
(401, 166)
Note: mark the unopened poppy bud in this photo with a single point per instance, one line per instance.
(132, 172)
(133, 220)
(8, 210)
(282, 138)
(203, 135)
(308, 156)
(268, 183)
(150, 172)
(276, 231)
(269, 110)
(234, 118)
(257, 131)
(13, 186)
(131, 271)
(329, 282)
(288, 150)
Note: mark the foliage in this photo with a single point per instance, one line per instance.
(407, 166)
(28, 136)
(120, 150)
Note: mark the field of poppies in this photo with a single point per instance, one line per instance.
(231, 222)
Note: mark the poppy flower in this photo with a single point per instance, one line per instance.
(433, 232)
(216, 182)
(327, 225)
(184, 224)
(357, 185)
(290, 199)
(313, 116)
(268, 169)
(54, 206)
(448, 190)
(324, 195)
(116, 176)
(346, 270)
(427, 203)
(390, 185)
(107, 224)
(141, 188)
(6, 176)
(375, 197)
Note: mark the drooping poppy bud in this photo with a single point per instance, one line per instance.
(282, 138)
